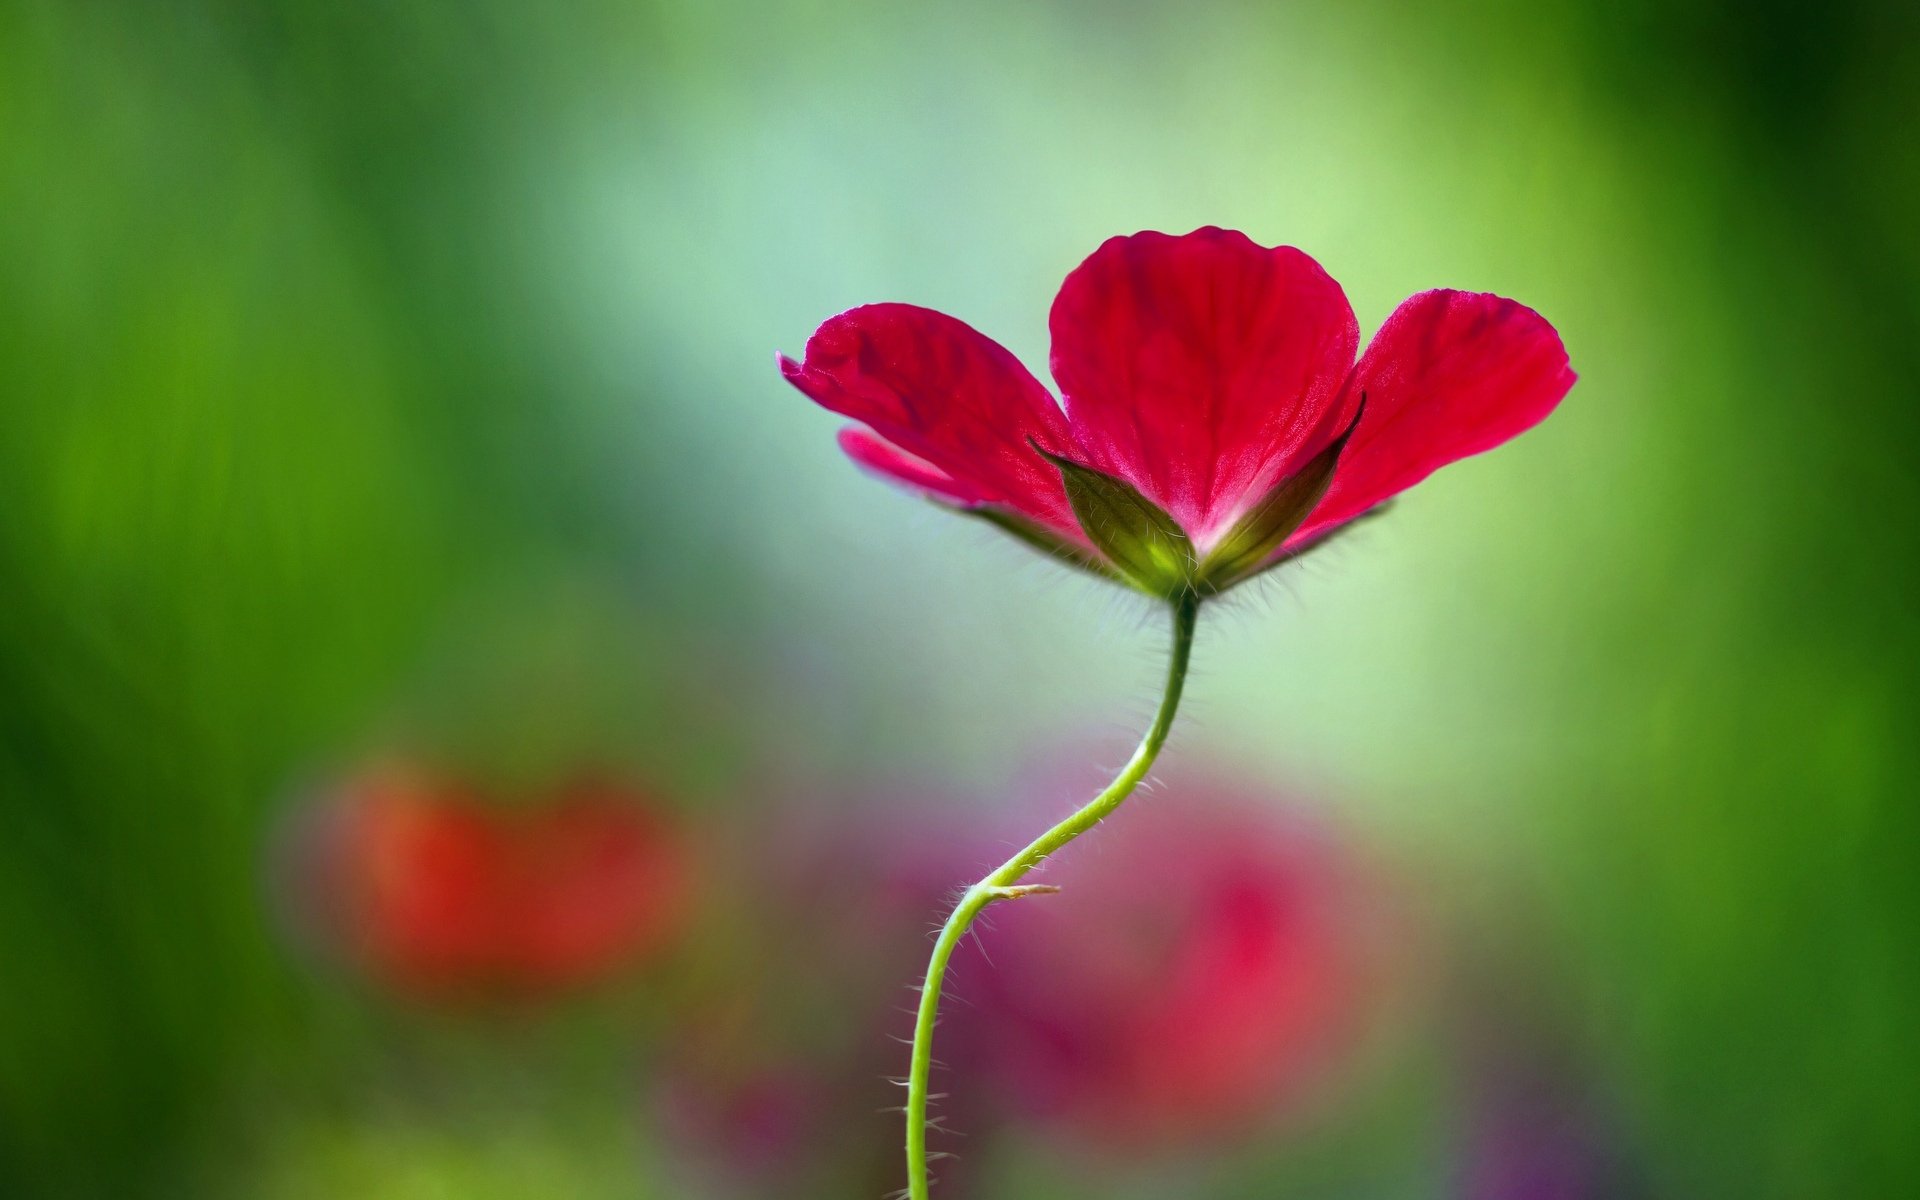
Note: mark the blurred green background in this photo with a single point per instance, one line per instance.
(402, 375)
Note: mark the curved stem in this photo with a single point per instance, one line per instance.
(1000, 885)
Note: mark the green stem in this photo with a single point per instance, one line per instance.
(1000, 886)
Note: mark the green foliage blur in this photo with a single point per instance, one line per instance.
(402, 375)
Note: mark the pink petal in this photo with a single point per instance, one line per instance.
(1202, 369)
(1450, 374)
(875, 453)
(943, 392)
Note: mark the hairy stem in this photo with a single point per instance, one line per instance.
(1000, 886)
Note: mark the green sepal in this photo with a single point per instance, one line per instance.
(1245, 550)
(1041, 538)
(1319, 541)
(1145, 545)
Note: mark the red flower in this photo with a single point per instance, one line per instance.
(434, 891)
(1215, 420)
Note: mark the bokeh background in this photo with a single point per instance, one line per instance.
(387, 393)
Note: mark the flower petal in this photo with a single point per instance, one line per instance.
(1449, 375)
(1201, 368)
(876, 454)
(943, 392)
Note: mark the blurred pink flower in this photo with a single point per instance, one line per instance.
(1219, 1000)
(1209, 965)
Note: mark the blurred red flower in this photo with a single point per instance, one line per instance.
(1209, 965)
(1205, 371)
(433, 890)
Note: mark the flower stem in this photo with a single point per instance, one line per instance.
(1000, 885)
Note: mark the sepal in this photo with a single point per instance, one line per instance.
(1308, 547)
(1145, 545)
(1248, 547)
